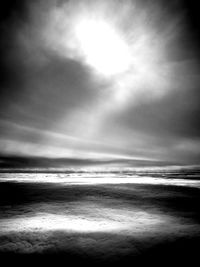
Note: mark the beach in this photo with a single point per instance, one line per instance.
(80, 219)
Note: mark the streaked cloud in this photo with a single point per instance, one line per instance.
(61, 98)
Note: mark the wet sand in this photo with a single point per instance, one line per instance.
(127, 223)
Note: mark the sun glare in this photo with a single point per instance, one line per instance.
(104, 220)
(103, 48)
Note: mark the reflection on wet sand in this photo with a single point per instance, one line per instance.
(99, 221)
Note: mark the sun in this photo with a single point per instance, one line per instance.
(102, 47)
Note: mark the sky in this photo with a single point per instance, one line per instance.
(100, 80)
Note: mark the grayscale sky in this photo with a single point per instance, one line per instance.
(100, 80)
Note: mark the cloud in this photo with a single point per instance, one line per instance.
(56, 103)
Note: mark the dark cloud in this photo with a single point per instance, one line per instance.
(43, 164)
(175, 116)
